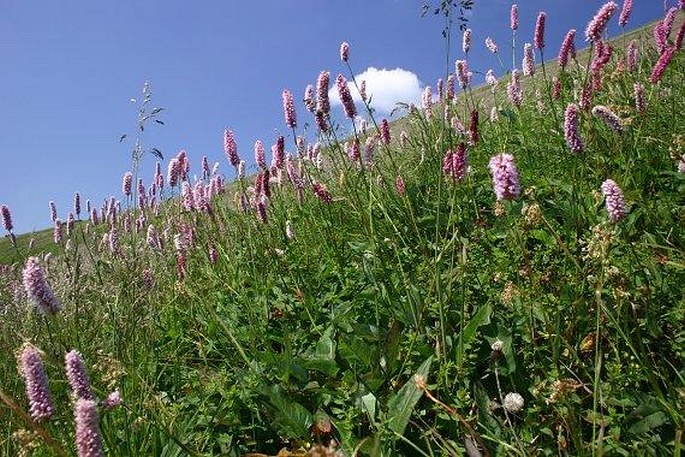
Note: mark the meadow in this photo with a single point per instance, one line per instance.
(500, 272)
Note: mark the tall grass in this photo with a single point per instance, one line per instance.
(386, 302)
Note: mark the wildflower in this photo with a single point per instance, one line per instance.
(345, 97)
(57, 231)
(322, 192)
(473, 128)
(152, 237)
(88, 438)
(6, 217)
(528, 64)
(322, 104)
(289, 109)
(494, 114)
(113, 239)
(491, 45)
(77, 204)
(466, 41)
(369, 149)
(661, 64)
(556, 88)
(113, 400)
(568, 49)
(613, 198)
(625, 12)
(679, 38)
(427, 100)
(173, 172)
(490, 78)
(450, 87)
(514, 89)
(70, 223)
(601, 56)
(609, 117)
(293, 175)
(289, 232)
(187, 200)
(596, 26)
(668, 20)
(344, 51)
(126, 183)
(640, 99)
(385, 132)
(463, 73)
(505, 178)
(586, 97)
(77, 376)
(231, 148)
(53, 211)
(261, 208)
(183, 164)
(278, 152)
(539, 35)
(148, 280)
(571, 129)
(681, 164)
(514, 17)
(497, 348)
(37, 391)
(399, 185)
(513, 402)
(353, 151)
(241, 170)
(213, 254)
(454, 163)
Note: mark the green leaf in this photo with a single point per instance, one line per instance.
(402, 404)
(291, 418)
(369, 404)
(648, 423)
(468, 335)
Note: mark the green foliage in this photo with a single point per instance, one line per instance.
(397, 319)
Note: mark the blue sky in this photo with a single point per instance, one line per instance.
(70, 69)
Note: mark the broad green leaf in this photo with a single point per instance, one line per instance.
(402, 404)
(468, 335)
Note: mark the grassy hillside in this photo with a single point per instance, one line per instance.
(426, 296)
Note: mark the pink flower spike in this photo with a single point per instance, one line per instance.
(77, 376)
(309, 101)
(571, 129)
(126, 183)
(259, 155)
(289, 109)
(613, 198)
(322, 103)
(661, 64)
(505, 178)
(6, 218)
(37, 391)
(466, 41)
(231, 148)
(514, 17)
(539, 35)
(346, 97)
(88, 438)
(491, 45)
(53, 211)
(625, 12)
(38, 289)
(344, 51)
(528, 60)
(567, 49)
(596, 26)
(113, 400)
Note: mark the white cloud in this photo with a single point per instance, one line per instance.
(385, 88)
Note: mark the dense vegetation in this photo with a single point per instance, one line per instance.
(499, 273)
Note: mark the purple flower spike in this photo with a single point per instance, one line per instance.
(57, 231)
(77, 376)
(640, 98)
(528, 60)
(231, 148)
(77, 204)
(613, 198)
(625, 12)
(53, 211)
(346, 97)
(609, 117)
(323, 105)
(344, 51)
(514, 17)
(454, 163)
(505, 178)
(309, 101)
(259, 155)
(6, 218)
(568, 49)
(37, 390)
(491, 45)
(289, 109)
(88, 438)
(572, 129)
(466, 41)
(661, 64)
(322, 192)
(385, 132)
(113, 399)
(596, 26)
(126, 183)
(539, 35)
